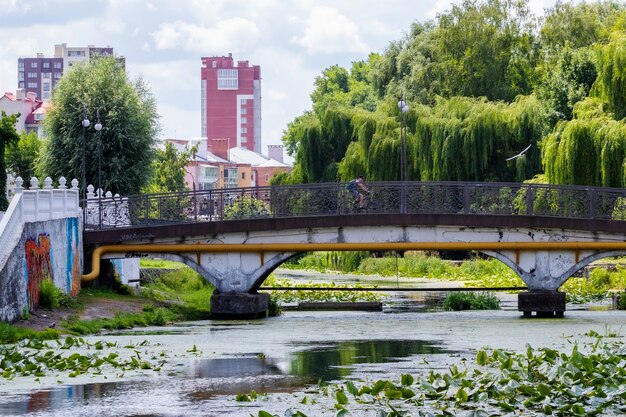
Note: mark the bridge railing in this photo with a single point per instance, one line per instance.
(326, 199)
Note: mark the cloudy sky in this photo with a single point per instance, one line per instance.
(163, 40)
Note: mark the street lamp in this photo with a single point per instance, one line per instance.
(403, 109)
(98, 127)
(85, 124)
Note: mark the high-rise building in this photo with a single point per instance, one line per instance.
(231, 102)
(40, 74)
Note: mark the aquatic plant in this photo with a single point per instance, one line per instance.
(464, 300)
(35, 358)
(590, 380)
(339, 293)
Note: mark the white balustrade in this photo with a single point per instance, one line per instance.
(33, 205)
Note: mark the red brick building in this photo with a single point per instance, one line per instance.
(231, 102)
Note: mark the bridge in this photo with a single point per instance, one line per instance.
(236, 237)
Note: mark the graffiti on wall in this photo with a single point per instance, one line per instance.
(73, 270)
(38, 266)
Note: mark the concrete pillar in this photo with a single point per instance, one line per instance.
(232, 306)
(543, 303)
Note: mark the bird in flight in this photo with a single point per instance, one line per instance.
(519, 154)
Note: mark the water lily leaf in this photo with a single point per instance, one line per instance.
(481, 357)
(342, 413)
(406, 379)
(461, 395)
(341, 397)
(351, 388)
(393, 394)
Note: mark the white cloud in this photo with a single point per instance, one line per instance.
(225, 35)
(328, 31)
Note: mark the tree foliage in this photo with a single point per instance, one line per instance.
(484, 80)
(125, 144)
(22, 156)
(8, 136)
(169, 169)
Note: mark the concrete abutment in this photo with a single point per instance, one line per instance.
(542, 303)
(230, 306)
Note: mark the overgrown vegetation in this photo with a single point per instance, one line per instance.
(588, 381)
(340, 294)
(51, 297)
(464, 300)
(474, 272)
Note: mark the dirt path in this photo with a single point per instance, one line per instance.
(95, 308)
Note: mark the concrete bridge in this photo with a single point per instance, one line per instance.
(236, 237)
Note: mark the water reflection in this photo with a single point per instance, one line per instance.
(333, 362)
(203, 379)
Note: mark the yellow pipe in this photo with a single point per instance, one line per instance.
(309, 247)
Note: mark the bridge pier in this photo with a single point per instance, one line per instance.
(239, 305)
(544, 303)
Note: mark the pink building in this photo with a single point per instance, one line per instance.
(231, 102)
(32, 111)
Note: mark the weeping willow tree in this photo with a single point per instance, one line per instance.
(590, 149)
(466, 139)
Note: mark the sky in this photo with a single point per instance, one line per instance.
(163, 41)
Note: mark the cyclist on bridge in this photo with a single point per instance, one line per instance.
(358, 190)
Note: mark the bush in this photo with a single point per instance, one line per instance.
(51, 297)
(621, 301)
(463, 300)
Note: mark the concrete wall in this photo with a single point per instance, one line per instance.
(40, 238)
(50, 249)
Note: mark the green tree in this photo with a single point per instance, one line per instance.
(8, 136)
(169, 169)
(128, 114)
(569, 81)
(579, 25)
(22, 156)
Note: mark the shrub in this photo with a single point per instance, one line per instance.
(463, 300)
(49, 295)
(621, 301)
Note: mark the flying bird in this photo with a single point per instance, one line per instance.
(519, 154)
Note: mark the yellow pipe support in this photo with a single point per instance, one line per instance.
(309, 247)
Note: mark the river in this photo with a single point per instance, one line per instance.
(205, 364)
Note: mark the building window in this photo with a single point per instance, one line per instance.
(58, 65)
(230, 177)
(243, 101)
(244, 139)
(207, 185)
(31, 85)
(46, 75)
(244, 110)
(210, 172)
(75, 53)
(244, 120)
(243, 175)
(20, 66)
(244, 129)
(38, 116)
(227, 79)
(267, 177)
(33, 65)
(57, 75)
(21, 84)
(46, 65)
(32, 75)
(20, 76)
(213, 64)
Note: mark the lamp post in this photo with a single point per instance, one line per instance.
(98, 127)
(85, 124)
(403, 109)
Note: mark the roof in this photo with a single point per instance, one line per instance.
(246, 156)
(272, 163)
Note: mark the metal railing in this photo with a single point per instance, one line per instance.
(329, 199)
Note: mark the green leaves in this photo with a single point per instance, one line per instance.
(589, 381)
